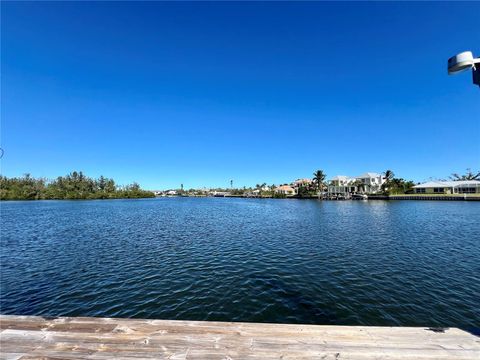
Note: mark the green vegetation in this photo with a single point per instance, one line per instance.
(304, 192)
(72, 186)
(396, 186)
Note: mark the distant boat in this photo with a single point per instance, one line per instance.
(359, 197)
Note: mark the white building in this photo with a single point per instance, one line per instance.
(367, 183)
(371, 182)
(448, 187)
(341, 184)
(285, 190)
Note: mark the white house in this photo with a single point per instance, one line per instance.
(372, 182)
(341, 184)
(341, 180)
(448, 187)
(369, 183)
(285, 190)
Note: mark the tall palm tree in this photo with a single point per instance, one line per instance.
(388, 176)
(319, 177)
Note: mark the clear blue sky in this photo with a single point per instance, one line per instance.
(201, 93)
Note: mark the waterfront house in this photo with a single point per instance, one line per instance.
(367, 183)
(254, 193)
(341, 184)
(448, 187)
(302, 182)
(286, 190)
(371, 183)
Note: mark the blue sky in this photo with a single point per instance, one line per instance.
(201, 93)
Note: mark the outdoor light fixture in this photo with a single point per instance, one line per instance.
(465, 61)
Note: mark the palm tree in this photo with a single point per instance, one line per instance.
(388, 175)
(319, 177)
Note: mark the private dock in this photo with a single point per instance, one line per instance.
(34, 337)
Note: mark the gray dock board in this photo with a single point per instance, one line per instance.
(32, 337)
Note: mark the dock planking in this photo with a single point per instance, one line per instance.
(34, 337)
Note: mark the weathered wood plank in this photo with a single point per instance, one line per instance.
(29, 337)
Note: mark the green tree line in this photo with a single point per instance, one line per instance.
(72, 186)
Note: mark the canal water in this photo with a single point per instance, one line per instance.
(409, 263)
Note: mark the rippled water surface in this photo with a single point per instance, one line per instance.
(294, 261)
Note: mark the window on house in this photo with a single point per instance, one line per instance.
(439, 190)
(466, 190)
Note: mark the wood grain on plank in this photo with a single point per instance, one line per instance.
(33, 337)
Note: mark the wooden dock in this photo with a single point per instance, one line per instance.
(32, 337)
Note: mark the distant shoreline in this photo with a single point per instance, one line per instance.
(433, 197)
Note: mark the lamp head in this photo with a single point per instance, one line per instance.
(461, 62)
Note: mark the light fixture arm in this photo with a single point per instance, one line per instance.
(476, 72)
(476, 61)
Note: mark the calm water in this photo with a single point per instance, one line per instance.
(373, 263)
